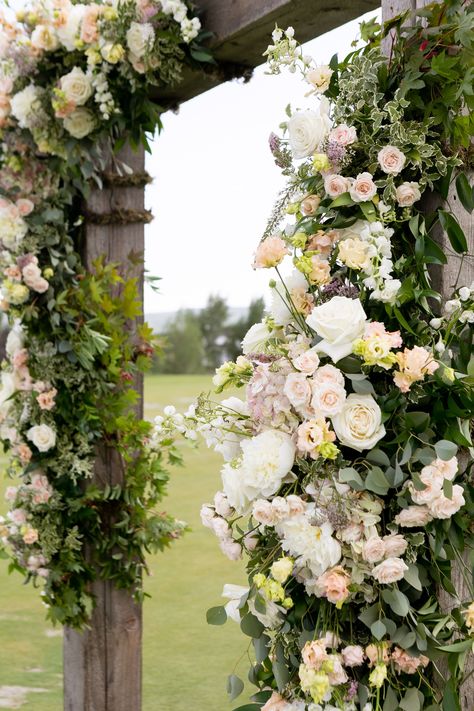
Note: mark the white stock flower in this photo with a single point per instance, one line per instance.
(80, 122)
(307, 130)
(140, 36)
(77, 86)
(42, 436)
(339, 322)
(359, 424)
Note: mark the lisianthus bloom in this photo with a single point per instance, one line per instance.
(414, 364)
(376, 345)
(270, 253)
(407, 663)
(312, 434)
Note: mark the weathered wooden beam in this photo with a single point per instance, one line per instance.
(242, 31)
(102, 666)
(459, 271)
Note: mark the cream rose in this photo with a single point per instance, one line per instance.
(407, 194)
(363, 188)
(373, 549)
(391, 160)
(445, 507)
(77, 86)
(139, 38)
(389, 571)
(339, 322)
(307, 362)
(26, 105)
(336, 185)
(359, 424)
(42, 436)
(44, 37)
(307, 130)
(413, 517)
(298, 390)
(395, 545)
(354, 253)
(80, 123)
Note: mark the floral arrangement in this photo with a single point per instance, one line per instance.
(347, 478)
(74, 86)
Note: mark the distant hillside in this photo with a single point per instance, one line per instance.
(160, 319)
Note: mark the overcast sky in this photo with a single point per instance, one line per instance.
(215, 183)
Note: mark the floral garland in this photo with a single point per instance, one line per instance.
(347, 481)
(74, 86)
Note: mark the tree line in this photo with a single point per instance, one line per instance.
(199, 341)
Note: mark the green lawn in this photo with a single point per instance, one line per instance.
(185, 660)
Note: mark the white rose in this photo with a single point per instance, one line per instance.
(328, 398)
(363, 188)
(222, 505)
(445, 507)
(339, 322)
(80, 123)
(77, 86)
(307, 130)
(413, 517)
(373, 549)
(26, 105)
(297, 389)
(42, 436)
(391, 160)
(256, 338)
(389, 571)
(139, 38)
(407, 194)
(359, 424)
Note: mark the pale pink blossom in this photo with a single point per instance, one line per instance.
(46, 400)
(389, 571)
(343, 134)
(373, 549)
(378, 653)
(298, 390)
(307, 362)
(320, 271)
(322, 242)
(89, 31)
(23, 452)
(11, 493)
(314, 654)
(413, 517)
(406, 663)
(328, 374)
(25, 206)
(353, 655)
(395, 545)
(310, 204)
(17, 516)
(232, 550)
(332, 585)
(276, 702)
(375, 329)
(444, 507)
(414, 364)
(336, 672)
(296, 505)
(30, 536)
(407, 194)
(263, 512)
(328, 398)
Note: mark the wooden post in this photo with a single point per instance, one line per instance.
(459, 271)
(102, 666)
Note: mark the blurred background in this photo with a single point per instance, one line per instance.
(214, 186)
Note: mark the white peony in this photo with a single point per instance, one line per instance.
(26, 105)
(42, 436)
(339, 322)
(140, 36)
(307, 130)
(80, 123)
(313, 546)
(77, 86)
(359, 424)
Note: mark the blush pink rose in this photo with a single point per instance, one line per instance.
(25, 206)
(30, 536)
(343, 134)
(263, 512)
(413, 517)
(395, 545)
(336, 185)
(407, 194)
(389, 571)
(89, 31)
(328, 374)
(307, 362)
(328, 398)
(353, 655)
(297, 389)
(333, 585)
(373, 549)
(391, 160)
(363, 188)
(445, 507)
(310, 204)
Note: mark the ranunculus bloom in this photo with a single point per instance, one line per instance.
(391, 160)
(363, 188)
(407, 194)
(270, 252)
(339, 322)
(359, 424)
(389, 571)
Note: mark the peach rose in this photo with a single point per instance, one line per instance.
(407, 664)
(445, 507)
(407, 194)
(391, 160)
(270, 253)
(333, 585)
(24, 453)
(310, 204)
(389, 571)
(13, 273)
(413, 517)
(297, 389)
(336, 185)
(343, 134)
(314, 654)
(353, 655)
(320, 271)
(363, 188)
(322, 242)
(302, 300)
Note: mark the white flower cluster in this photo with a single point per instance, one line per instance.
(285, 52)
(103, 95)
(189, 27)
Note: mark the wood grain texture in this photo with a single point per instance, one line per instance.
(457, 272)
(243, 28)
(102, 666)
